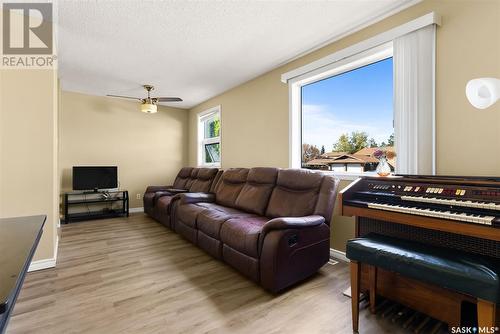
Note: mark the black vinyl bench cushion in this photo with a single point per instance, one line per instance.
(471, 274)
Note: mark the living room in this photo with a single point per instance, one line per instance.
(240, 156)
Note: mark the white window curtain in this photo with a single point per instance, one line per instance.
(414, 61)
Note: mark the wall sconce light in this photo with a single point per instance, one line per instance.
(483, 92)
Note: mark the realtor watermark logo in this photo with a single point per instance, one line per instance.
(474, 330)
(27, 36)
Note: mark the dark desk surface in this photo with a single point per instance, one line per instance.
(18, 240)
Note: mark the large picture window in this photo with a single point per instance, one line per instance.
(377, 93)
(347, 117)
(209, 138)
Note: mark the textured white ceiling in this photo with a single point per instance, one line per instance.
(194, 49)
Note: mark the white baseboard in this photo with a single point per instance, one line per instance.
(42, 264)
(338, 255)
(134, 210)
(45, 263)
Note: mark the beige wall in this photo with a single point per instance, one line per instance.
(255, 114)
(28, 150)
(147, 148)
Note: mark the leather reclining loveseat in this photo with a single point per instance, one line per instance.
(158, 199)
(270, 224)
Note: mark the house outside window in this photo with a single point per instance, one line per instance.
(209, 138)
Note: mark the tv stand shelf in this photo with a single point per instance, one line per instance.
(80, 206)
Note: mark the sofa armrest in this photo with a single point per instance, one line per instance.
(283, 223)
(176, 191)
(289, 255)
(292, 249)
(190, 198)
(153, 189)
(168, 192)
(161, 193)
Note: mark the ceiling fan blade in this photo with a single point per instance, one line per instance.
(168, 99)
(126, 97)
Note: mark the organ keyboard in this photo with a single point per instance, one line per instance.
(474, 200)
(412, 210)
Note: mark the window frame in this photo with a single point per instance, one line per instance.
(202, 118)
(431, 18)
(344, 65)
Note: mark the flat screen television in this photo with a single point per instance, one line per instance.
(95, 177)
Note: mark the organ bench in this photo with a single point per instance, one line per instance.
(473, 275)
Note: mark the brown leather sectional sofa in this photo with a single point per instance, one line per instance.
(270, 224)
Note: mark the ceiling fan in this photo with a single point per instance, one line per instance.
(149, 104)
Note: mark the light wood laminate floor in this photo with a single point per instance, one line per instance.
(133, 275)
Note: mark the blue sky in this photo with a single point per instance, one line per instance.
(360, 100)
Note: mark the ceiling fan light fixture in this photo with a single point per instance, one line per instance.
(149, 108)
(149, 104)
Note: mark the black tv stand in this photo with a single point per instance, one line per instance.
(95, 191)
(88, 205)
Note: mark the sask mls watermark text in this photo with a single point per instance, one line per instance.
(27, 36)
